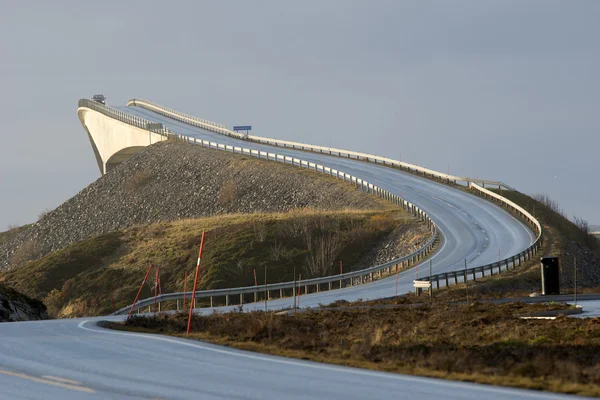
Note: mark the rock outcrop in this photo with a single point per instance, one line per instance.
(15, 306)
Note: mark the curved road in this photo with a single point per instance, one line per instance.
(73, 359)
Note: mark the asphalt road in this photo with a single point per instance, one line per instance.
(473, 229)
(74, 359)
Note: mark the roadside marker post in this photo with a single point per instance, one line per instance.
(139, 291)
(255, 285)
(193, 301)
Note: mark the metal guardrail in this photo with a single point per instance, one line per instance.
(364, 274)
(222, 129)
(512, 261)
(174, 113)
(123, 117)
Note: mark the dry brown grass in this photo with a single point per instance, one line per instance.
(236, 245)
(481, 342)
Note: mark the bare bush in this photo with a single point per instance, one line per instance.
(548, 202)
(43, 214)
(237, 271)
(277, 250)
(324, 251)
(260, 232)
(582, 224)
(228, 193)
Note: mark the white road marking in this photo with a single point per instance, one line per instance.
(63, 380)
(47, 381)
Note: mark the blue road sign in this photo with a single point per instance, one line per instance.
(242, 128)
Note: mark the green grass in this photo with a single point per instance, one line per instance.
(102, 273)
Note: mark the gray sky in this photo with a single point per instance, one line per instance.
(503, 90)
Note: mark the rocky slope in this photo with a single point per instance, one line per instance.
(170, 181)
(15, 306)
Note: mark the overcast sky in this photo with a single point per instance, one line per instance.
(503, 90)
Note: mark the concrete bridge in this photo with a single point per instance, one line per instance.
(119, 137)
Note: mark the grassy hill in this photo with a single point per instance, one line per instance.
(97, 275)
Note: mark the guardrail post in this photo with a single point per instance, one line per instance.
(499, 267)
(211, 302)
(455, 278)
(241, 299)
(482, 272)
(178, 306)
(474, 275)
(491, 270)
(280, 293)
(330, 284)
(226, 299)
(446, 277)
(437, 282)
(159, 306)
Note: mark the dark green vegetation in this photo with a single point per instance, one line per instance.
(498, 347)
(97, 275)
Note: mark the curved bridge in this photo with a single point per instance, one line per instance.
(75, 359)
(475, 233)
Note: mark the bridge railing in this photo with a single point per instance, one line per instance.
(502, 265)
(174, 113)
(222, 129)
(129, 119)
(352, 278)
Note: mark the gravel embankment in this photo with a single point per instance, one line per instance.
(172, 180)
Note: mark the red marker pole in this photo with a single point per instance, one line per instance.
(139, 291)
(193, 301)
(255, 281)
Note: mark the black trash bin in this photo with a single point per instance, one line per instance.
(550, 275)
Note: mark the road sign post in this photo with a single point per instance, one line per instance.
(243, 128)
